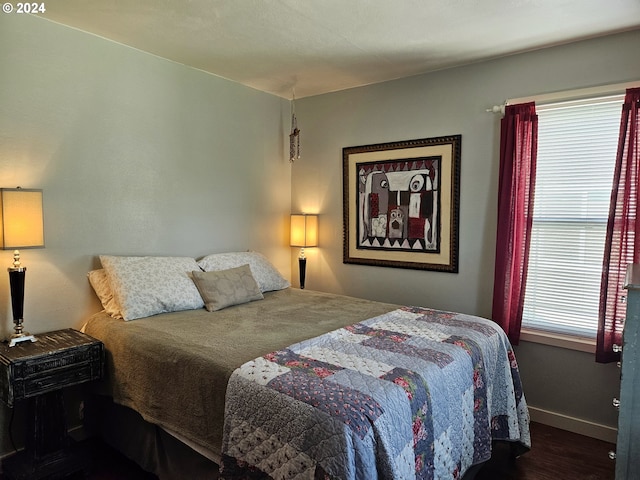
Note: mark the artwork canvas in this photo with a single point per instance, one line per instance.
(398, 204)
(401, 203)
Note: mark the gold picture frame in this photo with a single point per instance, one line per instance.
(401, 204)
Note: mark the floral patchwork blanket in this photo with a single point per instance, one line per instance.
(413, 393)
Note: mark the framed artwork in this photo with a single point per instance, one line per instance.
(401, 204)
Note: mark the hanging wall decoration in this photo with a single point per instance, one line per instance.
(401, 203)
(294, 137)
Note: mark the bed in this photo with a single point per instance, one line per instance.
(303, 384)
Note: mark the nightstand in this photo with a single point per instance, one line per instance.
(37, 372)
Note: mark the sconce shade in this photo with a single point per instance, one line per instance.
(21, 218)
(304, 230)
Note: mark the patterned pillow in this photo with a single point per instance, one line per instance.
(225, 288)
(145, 286)
(263, 271)
(100, 283)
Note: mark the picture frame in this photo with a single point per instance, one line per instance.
(401, 204)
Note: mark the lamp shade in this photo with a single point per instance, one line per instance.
(304, 230)
(21, 218)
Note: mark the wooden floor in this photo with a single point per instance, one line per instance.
(555, 454)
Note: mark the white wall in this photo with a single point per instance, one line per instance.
(136, 155)
(443, 103)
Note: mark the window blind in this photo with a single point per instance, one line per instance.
(577, 143)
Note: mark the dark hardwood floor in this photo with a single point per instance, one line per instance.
(555, 454)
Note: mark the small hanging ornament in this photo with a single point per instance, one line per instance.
(294, 137)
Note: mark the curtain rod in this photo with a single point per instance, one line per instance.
(567, 95)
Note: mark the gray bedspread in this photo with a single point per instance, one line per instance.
(174, 368)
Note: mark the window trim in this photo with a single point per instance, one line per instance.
(576, 94)
(569, 342)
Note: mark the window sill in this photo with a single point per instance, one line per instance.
(581, 344)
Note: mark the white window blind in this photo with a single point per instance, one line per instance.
(577, 143)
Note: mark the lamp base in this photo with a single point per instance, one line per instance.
(17, 338)
(16, 281)
(302, 265)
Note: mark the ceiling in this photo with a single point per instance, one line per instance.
(310, 47)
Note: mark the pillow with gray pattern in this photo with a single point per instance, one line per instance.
(263, 271)
(224, 288)
(145, 286)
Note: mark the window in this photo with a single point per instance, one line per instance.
(577, 143)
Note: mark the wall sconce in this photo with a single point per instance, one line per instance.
(304, 233)
(22, 223)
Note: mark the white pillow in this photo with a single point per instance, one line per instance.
(263, 271)
(145, 286)
(100, 283)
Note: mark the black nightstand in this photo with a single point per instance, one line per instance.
(37, 372)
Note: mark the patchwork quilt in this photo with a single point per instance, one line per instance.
(413, 393)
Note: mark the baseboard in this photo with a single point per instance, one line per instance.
(572, 424)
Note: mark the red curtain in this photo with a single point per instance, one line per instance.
(518, 150)
(622, 244)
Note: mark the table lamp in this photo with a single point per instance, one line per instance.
(304, 233)
(22, 227)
